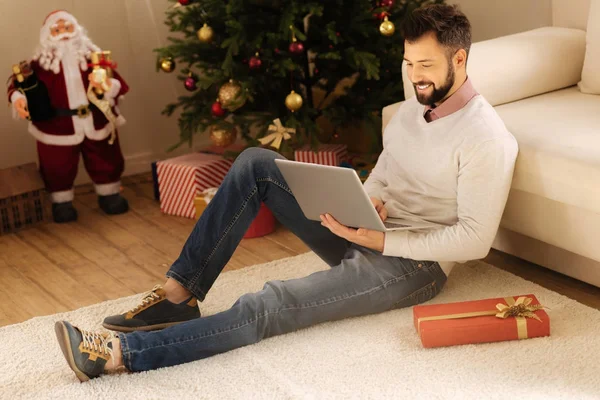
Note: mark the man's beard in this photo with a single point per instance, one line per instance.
(438, 92)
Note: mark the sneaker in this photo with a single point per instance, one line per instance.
(86, 352)
(154, 312)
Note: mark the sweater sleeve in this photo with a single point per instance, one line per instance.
(484, 180)
(376, 180)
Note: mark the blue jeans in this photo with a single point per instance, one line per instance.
(360, 281)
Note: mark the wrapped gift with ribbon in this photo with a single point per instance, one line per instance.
(263, 224)
(481, 321)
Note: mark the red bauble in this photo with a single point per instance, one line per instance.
(185, 2)
(190, 84)
(255, 63)
(217, 110)
(387, 3)
(296, 48)
(381, 15)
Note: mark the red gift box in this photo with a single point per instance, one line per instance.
(481, 321)
(327, 154)
(263, 224)
(180, 179)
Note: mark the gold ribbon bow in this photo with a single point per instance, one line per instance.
(278, 133)
(519, 309)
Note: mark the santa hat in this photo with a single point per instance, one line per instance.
(52, 19)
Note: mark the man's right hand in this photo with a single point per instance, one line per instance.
(380, 207)
(21, 107)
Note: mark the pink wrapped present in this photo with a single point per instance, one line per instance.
(327, 154)
(180, 179)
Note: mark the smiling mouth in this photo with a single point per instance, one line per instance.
(422, 87)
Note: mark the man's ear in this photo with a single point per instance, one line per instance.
(460, 58)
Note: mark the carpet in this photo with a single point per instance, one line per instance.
(377, 356)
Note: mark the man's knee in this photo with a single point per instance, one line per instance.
(255, 157)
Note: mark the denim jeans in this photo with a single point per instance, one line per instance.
(360, 281)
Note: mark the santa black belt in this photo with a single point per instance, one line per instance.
(81, 112)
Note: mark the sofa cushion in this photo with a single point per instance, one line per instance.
(590, 75)
(522, 65)
(559, 146)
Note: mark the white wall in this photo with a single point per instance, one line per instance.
(132, 28)
(493, 18)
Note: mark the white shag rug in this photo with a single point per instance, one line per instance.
(377, 356)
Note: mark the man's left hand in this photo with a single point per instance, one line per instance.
(363, 237)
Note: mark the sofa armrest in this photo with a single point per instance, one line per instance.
(525, 64)
(387, 114)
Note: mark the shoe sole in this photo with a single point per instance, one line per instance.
(65, 345)
(126, 329)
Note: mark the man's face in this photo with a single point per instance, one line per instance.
(429, 68)
(62, 30)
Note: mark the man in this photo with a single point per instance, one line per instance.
(61, 64)
(447, 158)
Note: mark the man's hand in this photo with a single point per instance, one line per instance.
(21, 107)
(380, 207)
(364, 237)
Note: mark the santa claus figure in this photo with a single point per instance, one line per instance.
(76, 125)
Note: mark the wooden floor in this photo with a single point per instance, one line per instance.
(55, 268)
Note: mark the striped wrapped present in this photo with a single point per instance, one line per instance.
(327, 154)
(180, 179)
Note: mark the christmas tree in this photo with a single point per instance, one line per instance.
(309, 64)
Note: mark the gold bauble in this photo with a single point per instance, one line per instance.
(387, 28)
(230, 95)
(293, 101)
(206, 34)
(167, 64)
(222, 137)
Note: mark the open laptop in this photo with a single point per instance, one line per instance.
(338, 191)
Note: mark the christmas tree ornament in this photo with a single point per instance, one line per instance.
(206, 34)
(230, 95)
(190, 83)
(293, 101)
(255, 62)
(381, 15)
(387, 28)
(222, 137)
(386, 3)
(296, 47)
(184, 2)
(217, 110)
(167, 64)
(277, 134)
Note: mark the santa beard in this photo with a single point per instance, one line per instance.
(51, 52)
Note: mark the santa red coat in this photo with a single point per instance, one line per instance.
(71, 130)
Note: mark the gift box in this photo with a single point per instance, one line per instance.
(481, 321)
(180, 179)
(327, 154)
(263, 224)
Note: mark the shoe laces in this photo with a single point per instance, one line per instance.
(147, 299)
(98, 343)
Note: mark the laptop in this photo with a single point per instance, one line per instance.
(338, 191)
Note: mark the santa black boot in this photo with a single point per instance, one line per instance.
(113, 204)
(64, 212)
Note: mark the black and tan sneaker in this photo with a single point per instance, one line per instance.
(86, 352)
(154, 312)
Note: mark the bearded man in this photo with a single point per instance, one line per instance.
(61, 63)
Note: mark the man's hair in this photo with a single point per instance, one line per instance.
(451, 27)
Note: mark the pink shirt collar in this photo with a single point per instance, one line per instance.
(458, 100)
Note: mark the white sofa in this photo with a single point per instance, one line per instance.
(552, 217)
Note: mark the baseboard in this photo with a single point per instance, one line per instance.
(549, 256)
